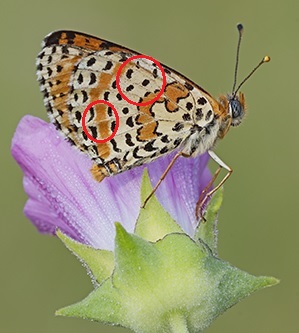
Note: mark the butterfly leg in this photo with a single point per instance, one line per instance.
(207, 193)
(177, 155)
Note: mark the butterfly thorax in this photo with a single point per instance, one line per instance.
(228, 111)
(218, 117)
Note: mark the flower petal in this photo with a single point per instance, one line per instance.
(180, 190)
(63, 192)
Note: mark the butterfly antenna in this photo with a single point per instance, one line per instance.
(240, 29)
(265, 59)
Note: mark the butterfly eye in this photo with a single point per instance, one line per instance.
(236, 111)
(235, 108)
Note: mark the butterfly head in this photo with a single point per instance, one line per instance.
(236, 108)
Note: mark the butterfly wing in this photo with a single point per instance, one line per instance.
(75, 69)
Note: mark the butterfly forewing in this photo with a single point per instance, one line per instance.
(75, 69)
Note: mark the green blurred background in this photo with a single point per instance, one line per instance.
(258, 221)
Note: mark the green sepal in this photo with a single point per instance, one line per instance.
(206, 231)
(153, 222)
(104, 304)
(155, 284)
(100, 263)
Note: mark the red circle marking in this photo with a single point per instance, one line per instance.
(90, 105)
(163, 78)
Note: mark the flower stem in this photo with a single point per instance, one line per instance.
(178, 323)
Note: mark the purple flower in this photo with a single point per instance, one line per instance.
(63, 194)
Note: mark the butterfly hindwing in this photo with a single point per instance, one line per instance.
(75, 69)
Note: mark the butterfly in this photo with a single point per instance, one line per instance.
(145, 108)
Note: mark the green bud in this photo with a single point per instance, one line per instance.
(159, 279)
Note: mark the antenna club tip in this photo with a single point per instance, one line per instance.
(240, 27)
(266, 59)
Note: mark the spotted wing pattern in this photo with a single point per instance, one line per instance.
(75, 69)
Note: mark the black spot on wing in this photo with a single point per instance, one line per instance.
(108, 53)
(95, 149)
(49, 71)
(201, 101)
(189, 86)
(85, 96)
(113, 125)
(80, 78)
(208, 115)
(135, 153)
(189, 106)
(92, 113)
(130, 122)
(114, 145)
(91, 61)
(130, 88)
(94, 131)
(149, 146)
(198, 114)
(59, 68)
(129, 140)
(186, 117)
(129, 73)
(78, 116)
(165, 139)
(164, 150)
(93, 79)
(108, 66)
(177, 127)
(145, 82)
(109, 112)
(177, 142)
